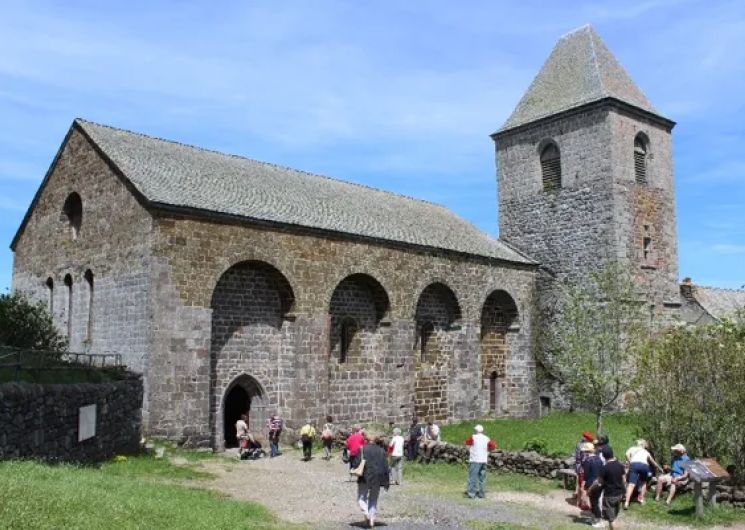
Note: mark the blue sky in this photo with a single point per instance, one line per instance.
(396, 95)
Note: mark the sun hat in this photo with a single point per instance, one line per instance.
(680, 448)
(478, 429)
(587, 435)
(587, 447)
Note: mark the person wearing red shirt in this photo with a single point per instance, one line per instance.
(355, 441)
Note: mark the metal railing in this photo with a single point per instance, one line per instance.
(18, 360)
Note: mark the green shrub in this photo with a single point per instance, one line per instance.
(539, 445)
(27, 325)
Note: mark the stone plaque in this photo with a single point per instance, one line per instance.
(86, 422)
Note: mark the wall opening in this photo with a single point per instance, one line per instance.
(498, 315)
(50, 294)
(243, 396)
(89, 324)
(551, 167)
(493, 392)
(68, 284)
(73, 214)
(640, 158)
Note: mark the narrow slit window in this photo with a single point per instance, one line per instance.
(348, 331)
(551, 167)
(89, 324)
(68, 284)
(640, 160)
(73, 213)
(50, 289)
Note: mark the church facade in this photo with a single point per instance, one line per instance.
(233, 284)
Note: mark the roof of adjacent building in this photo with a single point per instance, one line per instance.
(719, 303)
(580, 70)
(168, 173)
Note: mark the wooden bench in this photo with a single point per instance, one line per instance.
(567, 474)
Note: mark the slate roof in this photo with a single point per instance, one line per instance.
(174, 174)
(580, 70)
(719, 303)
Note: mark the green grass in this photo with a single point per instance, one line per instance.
(683, 511)
(132, 494)
(560, 430)
(451, 479)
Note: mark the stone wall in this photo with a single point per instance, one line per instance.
(41, 421)
(382, 288)
(113, 243)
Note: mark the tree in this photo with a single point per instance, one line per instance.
(690, 390)
(589, 338)
(27, 325)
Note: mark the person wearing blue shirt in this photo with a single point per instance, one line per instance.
(677, 475)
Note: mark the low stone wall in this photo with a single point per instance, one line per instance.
(41, 421)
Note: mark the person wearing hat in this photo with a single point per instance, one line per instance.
(677, 475)
(579, 457)
(480, 445)
(592, 465)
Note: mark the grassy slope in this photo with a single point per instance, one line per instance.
(560, 430)
(132, 494)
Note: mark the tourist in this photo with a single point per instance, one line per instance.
(678, 476)
(639, 460)
(579, 456)
(241, 433)
(480, 445)
(354, 443)
(431, 437)
(611, 483)
(600, 443)
(274, 430)
(307, 434)
(592, 465)
(415, 435)
(375, 476)
(396, 450)
(327, 437)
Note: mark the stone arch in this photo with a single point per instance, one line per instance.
(250, 303)
(550, 158)
(244, 394)
(359, 298)
(498, 314)
(437, 317)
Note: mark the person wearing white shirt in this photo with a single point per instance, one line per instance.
(480, 445)
(396, 450)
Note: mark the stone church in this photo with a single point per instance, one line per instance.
(233, 284)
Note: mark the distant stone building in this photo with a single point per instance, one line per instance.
(234, 284)
(707, 305)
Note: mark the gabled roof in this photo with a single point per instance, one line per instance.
(166, 174)
(580, 70)
(719, 303)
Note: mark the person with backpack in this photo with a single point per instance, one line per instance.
(415, 435)
(327, 437)
(307, 434)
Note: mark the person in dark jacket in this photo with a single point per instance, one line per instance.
(592, 465)
(376, 475)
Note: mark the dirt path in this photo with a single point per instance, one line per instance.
(319, 494)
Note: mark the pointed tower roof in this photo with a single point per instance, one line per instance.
(580, 70)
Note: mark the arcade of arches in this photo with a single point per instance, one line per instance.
(370, 367)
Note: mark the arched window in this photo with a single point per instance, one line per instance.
(348, 330)
(89, 327)
(50, 287)
(68, 284)
(73, 213)
(551, 167)
(428, 329)
(640, 159)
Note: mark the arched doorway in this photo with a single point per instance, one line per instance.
(244, 395)
(497, 316)
(249, 325)
(437, 316)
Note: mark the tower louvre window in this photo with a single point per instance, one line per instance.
(640, 159)
(551, 167)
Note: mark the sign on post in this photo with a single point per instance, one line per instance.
(706, 470)
(86, 422)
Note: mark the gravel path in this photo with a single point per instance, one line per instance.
(319, 494)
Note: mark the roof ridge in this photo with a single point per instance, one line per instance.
(595, 60)
(272, 164)
(575, 30)
(731, 289)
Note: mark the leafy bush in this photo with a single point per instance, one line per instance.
(27, 325)
(690, 391)
(539, 445)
